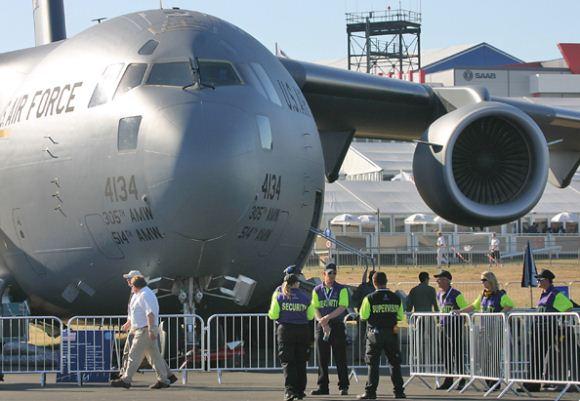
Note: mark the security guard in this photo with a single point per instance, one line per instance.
(492, 299)
(292, 309)
(541, 341)
(450, 299)
(382, 309)
(551, 299)
(331, 301)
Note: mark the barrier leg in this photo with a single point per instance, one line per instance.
(510, 388)
(353, 375)
(184, 377)
(492, 388)
(468, 384)
(505, 390)
(410, 379)
(425, 383)
(563, 392)
(219, 373)
(43, 380)
(455, 384)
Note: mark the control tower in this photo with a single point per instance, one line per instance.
(384, 42)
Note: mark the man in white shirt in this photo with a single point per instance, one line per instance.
(441, 250)
(143, 324)
(127, 347)
(494, 255)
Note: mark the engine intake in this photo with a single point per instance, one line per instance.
(491, 167)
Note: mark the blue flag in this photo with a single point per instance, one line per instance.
(529, 271)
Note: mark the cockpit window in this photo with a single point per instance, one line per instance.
(149, 47)
(132, 78)
(217, 73)
(177, 73)
(106, 86)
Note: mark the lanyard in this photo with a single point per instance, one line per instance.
(443, 300)
(328, 294)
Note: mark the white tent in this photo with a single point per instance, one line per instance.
(420, 218)
(367, 220)
(347, 219)
(403, 176)
(564, 217)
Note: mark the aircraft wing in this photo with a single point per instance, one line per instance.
(479, 160)
(374, 106)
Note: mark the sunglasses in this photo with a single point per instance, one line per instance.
(484, 280)
(542, 279)
(331, 273)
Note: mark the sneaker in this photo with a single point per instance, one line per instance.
(120, 383)
(289, 397)
(172, 379)
(320, 391)
(400, 395)
(367, 396)
(158, 385)
(343, 391)
(301, 395)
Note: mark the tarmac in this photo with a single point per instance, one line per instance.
(235, 386)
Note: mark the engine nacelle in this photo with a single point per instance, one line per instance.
(491, 167)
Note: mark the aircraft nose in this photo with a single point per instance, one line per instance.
(202, 167)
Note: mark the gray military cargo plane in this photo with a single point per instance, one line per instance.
(174, 142)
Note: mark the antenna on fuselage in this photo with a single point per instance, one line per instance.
(99, 20)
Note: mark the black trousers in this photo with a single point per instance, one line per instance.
(379, 341)
(336, 342)
(452, 342)
(294, 350)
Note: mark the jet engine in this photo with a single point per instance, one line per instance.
(482, 164)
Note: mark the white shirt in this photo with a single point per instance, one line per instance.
(143, 303)
(441, 242)
(494, 245)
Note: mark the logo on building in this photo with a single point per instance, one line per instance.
(469, 75)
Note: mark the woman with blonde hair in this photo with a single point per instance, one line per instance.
(492, 299)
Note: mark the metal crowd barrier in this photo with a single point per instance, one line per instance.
(244, 342)
(439, 345)
(31, 344)
(248, 342)
(544, 349)
(490, 346)
(96, 343)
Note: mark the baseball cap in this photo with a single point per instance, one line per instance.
(331, 267)
(546, 274)
(444, 273)
(292, 269)
(131, 274)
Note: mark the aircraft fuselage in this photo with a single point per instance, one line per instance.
(166, 141)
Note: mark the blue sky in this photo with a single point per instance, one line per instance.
(315, 29)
